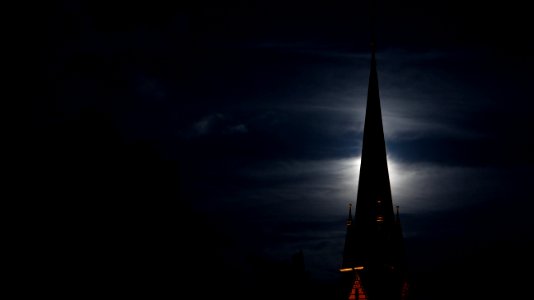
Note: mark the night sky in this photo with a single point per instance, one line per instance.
(215, 140)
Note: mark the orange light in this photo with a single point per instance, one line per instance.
(357, 292)
(351, 269)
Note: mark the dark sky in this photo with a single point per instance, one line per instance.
(217, 139)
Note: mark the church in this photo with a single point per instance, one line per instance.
(373, 266)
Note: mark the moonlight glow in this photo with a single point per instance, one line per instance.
(401, 178)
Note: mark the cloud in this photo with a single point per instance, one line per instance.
(239, 128)
(419, 96)
(303, 203)
(312, 195)
(320, 95)
(207, 124)
(216, 124)
(322, 188)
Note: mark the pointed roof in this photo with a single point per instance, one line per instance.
(349, 259)
(374, 191)
(373, 243)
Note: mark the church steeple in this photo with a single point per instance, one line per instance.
(373, 251)
(374, 207)
(348, 257)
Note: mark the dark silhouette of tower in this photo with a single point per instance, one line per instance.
(373, 260)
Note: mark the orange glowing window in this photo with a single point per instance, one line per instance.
(350, 269)
(357, 292)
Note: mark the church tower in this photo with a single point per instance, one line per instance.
(373, 258)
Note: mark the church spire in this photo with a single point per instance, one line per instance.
(373, 244)
(374, 201)
(348, 251)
